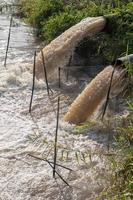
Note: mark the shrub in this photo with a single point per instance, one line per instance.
(59, 23)
(52, 17)
(38, 11)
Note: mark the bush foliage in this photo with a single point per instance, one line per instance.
(43, 12)
(52, 17)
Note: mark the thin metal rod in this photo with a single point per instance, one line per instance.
(46, 160)
(9, 36)
(56, 137)
(108, 93)
(33, 84)
(52, 168)
(45, 73)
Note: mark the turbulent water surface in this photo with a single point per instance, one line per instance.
(23, 177)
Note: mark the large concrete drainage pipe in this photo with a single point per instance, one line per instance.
(87, 102)
(59, 51)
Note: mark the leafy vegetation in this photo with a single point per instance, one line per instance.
(121, 161)
(52, 17)
(82, 127)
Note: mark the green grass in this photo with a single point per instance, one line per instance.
(52, 17)
(78, 129)
(121, 186)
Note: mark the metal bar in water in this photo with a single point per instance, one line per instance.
(9, 35)
(45, 73)
(33, 85)
(1, 9)
(46, 160)
(108, 93)
(56, 138)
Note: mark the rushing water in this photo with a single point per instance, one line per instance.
(21, 176)
(22, 43)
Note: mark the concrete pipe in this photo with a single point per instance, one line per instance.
(123, 60)
(87, 102)
(59, 51)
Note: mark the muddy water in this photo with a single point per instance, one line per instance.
(22, 42)
(21, 176)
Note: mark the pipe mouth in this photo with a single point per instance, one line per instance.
(123, 60)
(117, 62)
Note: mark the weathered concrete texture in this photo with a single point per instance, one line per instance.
(87, 102)
(58, 52)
